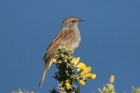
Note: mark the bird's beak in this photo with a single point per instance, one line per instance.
(80, 20)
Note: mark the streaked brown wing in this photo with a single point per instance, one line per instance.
(63, 38)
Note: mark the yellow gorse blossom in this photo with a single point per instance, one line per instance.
(82, 82)
(87, 70)
(112, 78)
(90, 76)
(81, 65)
(67, 86)
(84, 70)
(54, 60)
(84, 73)
(75, 61)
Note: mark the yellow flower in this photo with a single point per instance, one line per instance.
(87, 70)
(54, 60)
(81, 71)
(75, 60)
(90, 76)
(84, 70)
(81, 68)
(112, 78)
(82, 82)
(81, 65)
(67, 86)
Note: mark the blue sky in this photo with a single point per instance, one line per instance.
(110, 41)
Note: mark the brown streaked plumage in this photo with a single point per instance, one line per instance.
(69, 36)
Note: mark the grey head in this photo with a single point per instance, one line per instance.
(71, 22)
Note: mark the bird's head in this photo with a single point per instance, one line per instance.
(71, 22)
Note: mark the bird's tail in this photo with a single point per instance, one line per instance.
(47, 66)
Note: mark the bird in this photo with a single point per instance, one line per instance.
(69, 36)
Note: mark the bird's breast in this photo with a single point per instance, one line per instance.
(75, 40)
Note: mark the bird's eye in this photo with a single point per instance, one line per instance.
(73, 21)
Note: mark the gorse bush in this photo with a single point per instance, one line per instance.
(19, 91)
(72, 72)
(109, 87)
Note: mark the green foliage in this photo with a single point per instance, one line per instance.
(19, 91)
(108, 88)
(70, 72)
(66, 76)
(136, 90)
